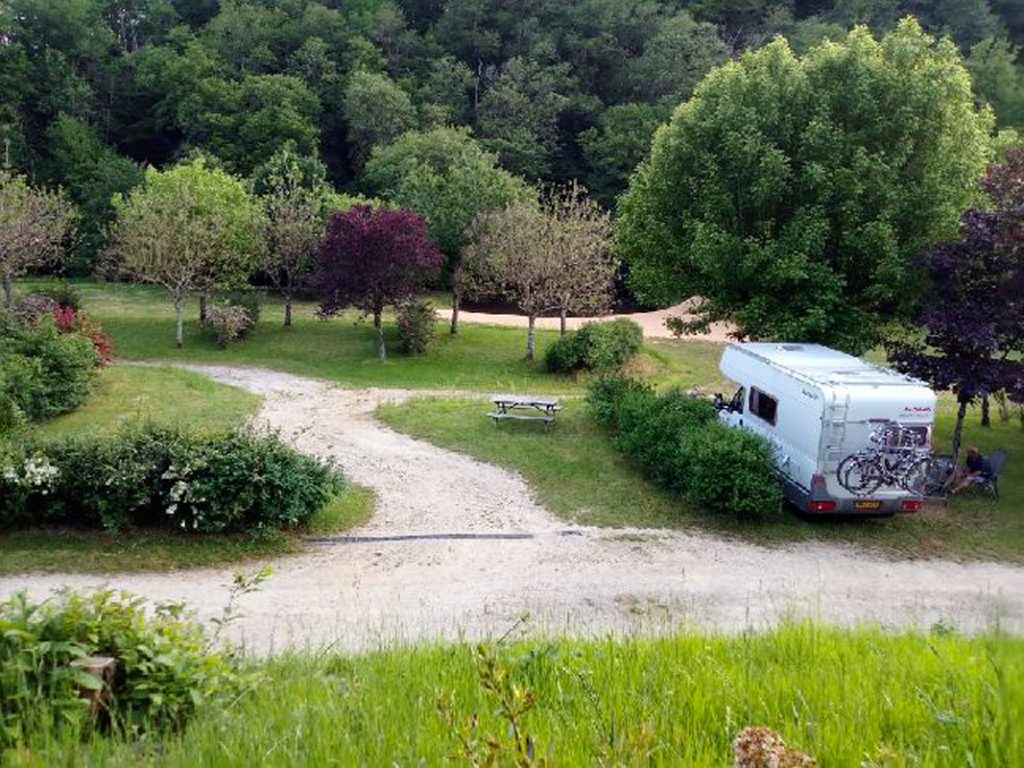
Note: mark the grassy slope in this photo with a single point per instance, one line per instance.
(343, 349)
(849, 698)
(579, 476)
(169, 396)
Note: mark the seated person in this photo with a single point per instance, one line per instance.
(976, 471)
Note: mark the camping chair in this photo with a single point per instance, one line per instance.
(997, 460)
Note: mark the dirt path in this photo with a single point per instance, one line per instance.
(582, 580)
(653, 323)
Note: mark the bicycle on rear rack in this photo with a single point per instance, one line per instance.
(896, 457)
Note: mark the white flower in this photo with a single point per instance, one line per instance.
(40, 473)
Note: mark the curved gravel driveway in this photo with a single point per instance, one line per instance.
(565, 578)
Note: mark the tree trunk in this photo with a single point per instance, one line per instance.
(288, 312)
(959, 429)
(202, 306)
(561, 320)
(8, 294)
(531, 336)
(1003, 405)
(179, 313)
(379, 325)
(986, 417)
(456, 299)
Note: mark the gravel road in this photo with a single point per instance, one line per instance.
(510, 558)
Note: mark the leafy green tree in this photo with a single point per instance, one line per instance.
(445, 176)
(791, 194)
(296, 201)
(616, 146)
(518, 116)
(92, 173)
(999, 79)
(377, 111)
(34, 224)
(675, 60)
(444, 93)
(247, 36)
(555, 257)
(190, 229)
(244, 123)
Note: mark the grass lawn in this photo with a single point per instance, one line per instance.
(129, 393)
(579, 476)
(141, 321)
(849, 698)
(173, 396)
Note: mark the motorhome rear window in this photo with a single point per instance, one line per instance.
(762, 405)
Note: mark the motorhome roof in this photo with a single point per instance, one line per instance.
(821, 365)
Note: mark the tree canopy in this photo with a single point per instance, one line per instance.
(373, 258)
(792, 194)
(153, 80)
(189, 229)
(447, 177)
(33, 226)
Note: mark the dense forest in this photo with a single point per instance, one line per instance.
(95, 90)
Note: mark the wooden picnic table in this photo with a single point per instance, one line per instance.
(525, 408)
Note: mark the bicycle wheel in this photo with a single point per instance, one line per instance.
(916, 476)
(858, 475)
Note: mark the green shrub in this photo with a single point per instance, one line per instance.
(564, 355)
(679, 443)
(44, 372)
(606, 346)
(163, 477)
(606, 398)
(11, 417)
(597, 346)
(416, 322)
(165, 665)
(732, 472)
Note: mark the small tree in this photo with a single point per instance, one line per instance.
(547, 259)
(586, 279)
(371, 259)
(510, 255)
(974, 321)
(191, 229)
(445, 175)
(33, 226)
(294, 195)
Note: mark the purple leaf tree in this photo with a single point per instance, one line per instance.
(371, 259)
(973, 317)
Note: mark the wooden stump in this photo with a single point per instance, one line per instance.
(103, 669)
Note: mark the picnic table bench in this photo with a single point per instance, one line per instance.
(525, 408)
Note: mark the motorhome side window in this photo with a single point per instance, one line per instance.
(763, 406)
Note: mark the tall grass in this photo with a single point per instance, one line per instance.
(850, 698)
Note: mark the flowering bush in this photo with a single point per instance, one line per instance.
(229, 323)
(69, 320)
(153, 476)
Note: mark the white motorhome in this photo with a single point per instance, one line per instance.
(817, 406)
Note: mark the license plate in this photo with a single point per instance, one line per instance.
(869, 505)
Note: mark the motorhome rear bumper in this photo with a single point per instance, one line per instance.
(820, 502)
